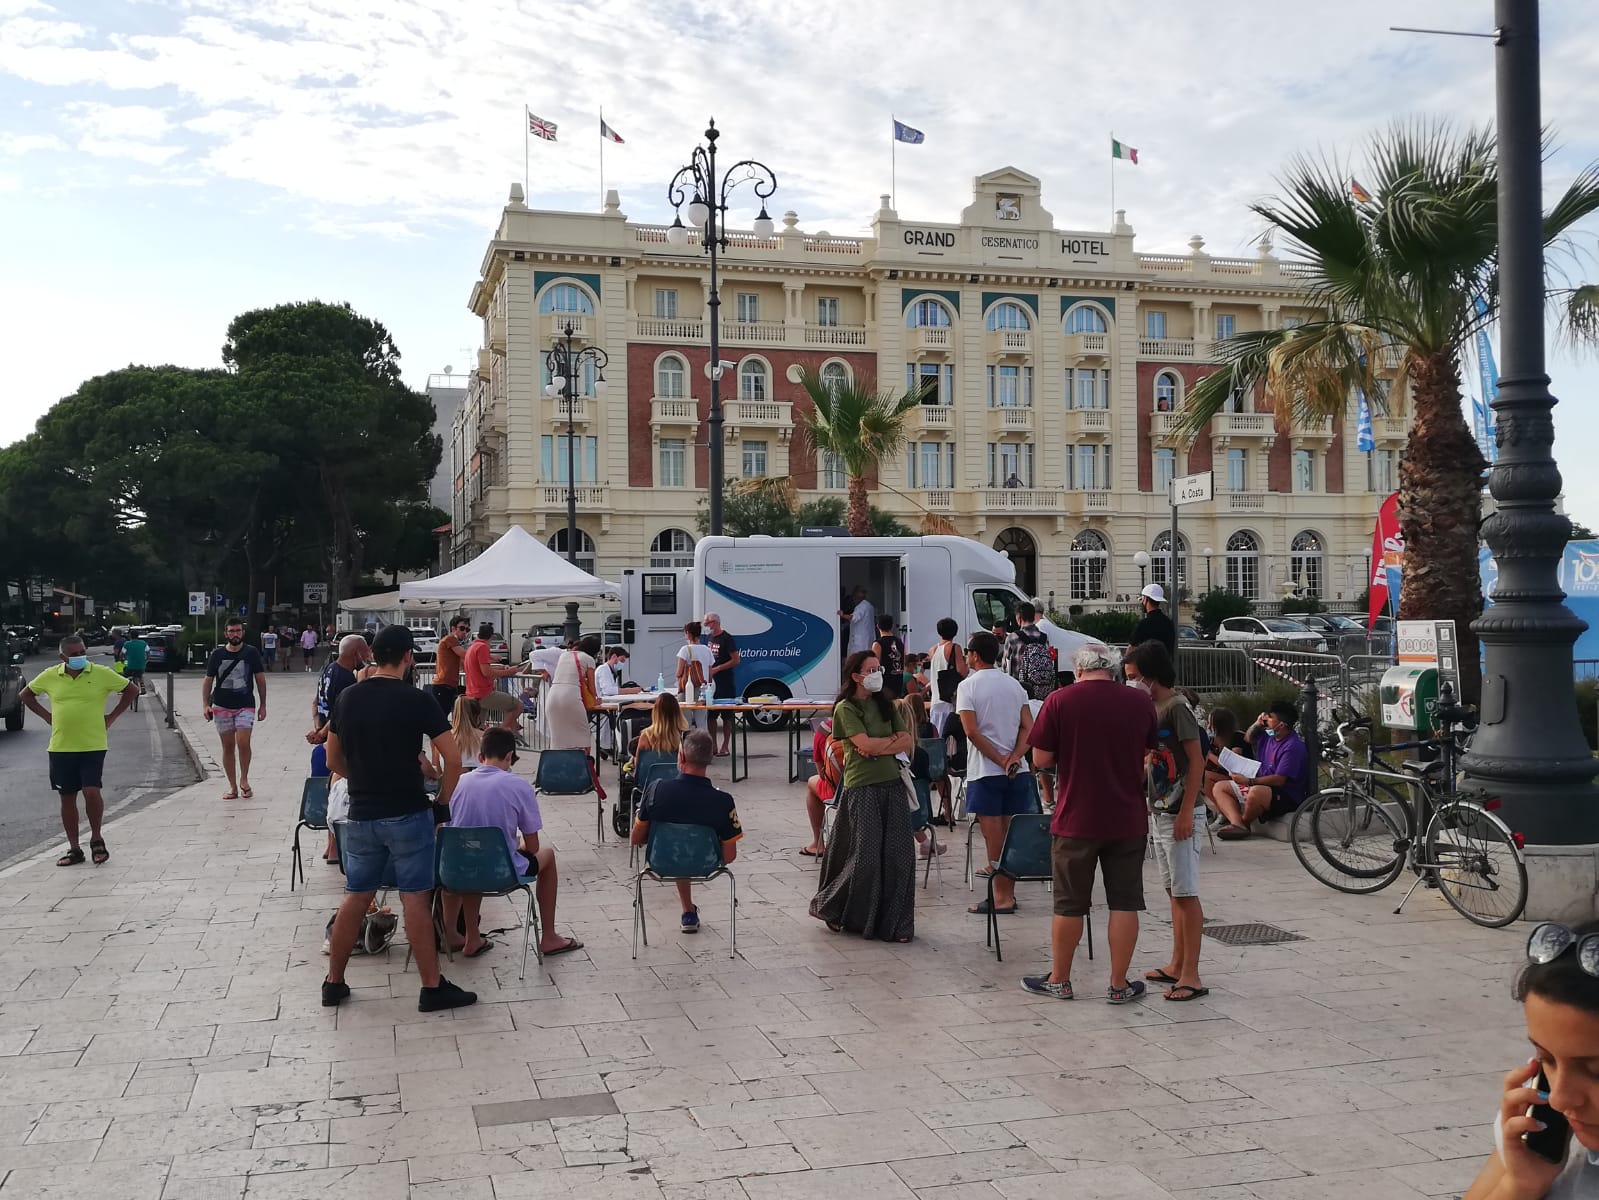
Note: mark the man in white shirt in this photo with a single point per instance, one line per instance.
(608, 682)
(862, 618)
(995, 715)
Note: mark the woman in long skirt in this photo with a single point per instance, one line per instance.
(868, 880)
(568, 715)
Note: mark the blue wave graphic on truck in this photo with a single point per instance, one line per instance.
(794, 643)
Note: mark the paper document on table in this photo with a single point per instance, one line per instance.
(1237, 764)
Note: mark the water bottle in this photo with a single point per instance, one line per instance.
(660, 683)
(707, 693)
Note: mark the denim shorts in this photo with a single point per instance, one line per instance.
(1179, 861)
(1001, 795)
(391, 852)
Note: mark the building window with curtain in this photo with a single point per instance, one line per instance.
(1086, 318)
(927, 313)
(1154, 324)
(933, 382)
(835, 375)
(1166, 389)
(1381, 473)
(1160, 559)
(752, 380)
(754, 460)
(1306, 555)
(1243, 564)
(666, 304)
(552, 458)
(1090, 556)
(1007, 460)
(827, 310)
(674, 463)
(1165, 469)
(1088, 468)
(671, 378)
(1304, 470)
(1008, 316)
(833, 476)
(748, 307)
(930, 465)
(1226, 323)
(1010, 387)
(566, 298)
(1237, 470)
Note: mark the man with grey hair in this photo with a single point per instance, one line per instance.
(691, 799)
(77, 691)
(1096, 733)
(725, 659)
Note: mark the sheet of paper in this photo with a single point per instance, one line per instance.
(1237, 764)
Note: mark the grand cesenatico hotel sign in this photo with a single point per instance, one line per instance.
(1025, 247)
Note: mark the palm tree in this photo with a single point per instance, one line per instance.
(861, 426)
(1405, 278)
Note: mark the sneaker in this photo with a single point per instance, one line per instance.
(446, 995)
(1134, 990)
(334, 993)
(1039, 985)
(691, 921)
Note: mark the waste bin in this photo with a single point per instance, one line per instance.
(1409, 697)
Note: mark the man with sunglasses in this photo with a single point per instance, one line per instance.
(447, 662)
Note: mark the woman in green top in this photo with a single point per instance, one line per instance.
(868, 880)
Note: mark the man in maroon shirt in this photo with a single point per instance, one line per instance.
(1096, 734)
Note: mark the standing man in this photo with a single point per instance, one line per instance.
(1096, 733)
(269, 646)
(1155, 625)
(1173, 774)
(308, 645)
(1029, 658)
(480, 676)
(725, 650)
(375, 741)
(994, 713)
(447, 663)
(233, 675)
(285, 647)
(862, 618)
(78, 722)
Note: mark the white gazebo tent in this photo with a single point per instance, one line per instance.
(516, 569)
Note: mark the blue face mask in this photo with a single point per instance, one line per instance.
(78, 662)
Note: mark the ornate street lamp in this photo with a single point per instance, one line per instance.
(564, 363)
(1207, 552)
(707, 211)
(1141, 561)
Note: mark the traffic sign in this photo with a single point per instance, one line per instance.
(221, 601)
(316, 593)
(1192, 489)
(197, 603)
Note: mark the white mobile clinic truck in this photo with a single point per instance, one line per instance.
(780, 599)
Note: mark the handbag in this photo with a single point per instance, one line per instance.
(591, 699)
(909, 782)
(339, 801)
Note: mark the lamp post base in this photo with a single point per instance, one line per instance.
(1562, 883)
(574, 627)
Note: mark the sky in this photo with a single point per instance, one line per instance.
(168, 164)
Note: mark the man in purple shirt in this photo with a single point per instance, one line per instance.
(1279, 787)
(492, 797)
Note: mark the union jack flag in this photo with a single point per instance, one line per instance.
(540, 128)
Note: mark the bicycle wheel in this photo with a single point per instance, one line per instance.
(1349, 840)
(1478, 865)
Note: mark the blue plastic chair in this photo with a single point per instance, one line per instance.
(313, 815)
(922, 819)
(477, 861)
(1035, 805)
(1026, 858)
(937, 757)
(674, 852)
(659, 771)
(569, 773)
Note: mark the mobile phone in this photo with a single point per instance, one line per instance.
(1553, 1142)
(1013, 769)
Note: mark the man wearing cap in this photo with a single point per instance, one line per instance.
(1155, 625)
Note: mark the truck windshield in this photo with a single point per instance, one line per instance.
(994, 605)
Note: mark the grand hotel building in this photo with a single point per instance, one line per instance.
(1049, 360)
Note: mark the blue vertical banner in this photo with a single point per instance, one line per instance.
(1482, 413)
(1365, 442)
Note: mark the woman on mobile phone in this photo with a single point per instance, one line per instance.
(1547, 1132)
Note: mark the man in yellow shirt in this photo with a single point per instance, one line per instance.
(78, 721)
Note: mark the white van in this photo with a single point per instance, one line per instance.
(780, 599)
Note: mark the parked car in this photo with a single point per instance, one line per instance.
(163, 655)
(1272, 631)
(541, 636)
(11, 681)
(1190, 633)
(24, 638)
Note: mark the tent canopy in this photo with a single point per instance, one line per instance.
(383, 602)
(517, 567)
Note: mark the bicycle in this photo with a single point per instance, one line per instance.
(1360, 835)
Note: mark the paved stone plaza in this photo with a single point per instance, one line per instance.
(162, 1035)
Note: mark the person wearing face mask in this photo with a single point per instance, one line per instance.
(78, 721)
(234, 674)
(868, 878)
(1283, 780)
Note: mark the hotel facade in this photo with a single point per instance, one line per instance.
(1049, 362)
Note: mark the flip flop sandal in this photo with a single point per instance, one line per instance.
(71, 858)
(571, 945)
(1160, 976)
(480, 951)
(1189, 993)
(810, 853)
(100, 853)
(230, 795)
(981, 909)
(247, 793)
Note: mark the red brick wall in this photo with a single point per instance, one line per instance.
(1199, 454)
(641, 389)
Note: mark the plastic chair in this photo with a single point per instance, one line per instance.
(674, 852)
(569, 773)
(313, 815)
(1036, 806)
(477, 861)
(1025, 858)
(922, 819)
(937, 758)
(658, 772)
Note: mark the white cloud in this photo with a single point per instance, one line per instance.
(15, 145)
(140, 121)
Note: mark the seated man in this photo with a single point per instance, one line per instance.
(492, 796)
(1281, 784)
(691, 799)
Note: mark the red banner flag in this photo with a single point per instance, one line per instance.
(1387, 551)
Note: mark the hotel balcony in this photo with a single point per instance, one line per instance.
(674, 411)
(744, 333)
(1322, 430)
(934, 417)
(1010, 420)
(582, 410)
(1080, 347)
(1390, 429)
(1178, 349)
(553, 325)
(1163, 427)
(1245, 501)
(755, 415)
(835, 335)
(1002, 500)
(668, 329)
(1243, 425)
(927, 339)
(1088, 422)
(591, 497)
(1010, 341)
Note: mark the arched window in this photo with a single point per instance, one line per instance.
(566, 298)
(835, 375)
(672, 548)
(1090, 557)
(752, 380)
(1305, 562)
(1160, 559)
(1243, 564)
(585, 548)
(1086, 318)
(1008, 316)
(927, 312)
(1167, 388)
(671, 377)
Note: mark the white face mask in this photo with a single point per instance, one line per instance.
(872, 681)
(1139, 684)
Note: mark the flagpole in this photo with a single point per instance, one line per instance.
(893, 165)
(527, 118)
(602, 158)
(1113, 180)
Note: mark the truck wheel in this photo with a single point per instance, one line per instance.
(14, 720)
(767, 718)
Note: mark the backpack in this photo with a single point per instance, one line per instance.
(1034, 663)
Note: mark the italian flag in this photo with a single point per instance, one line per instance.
(1123, 150)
